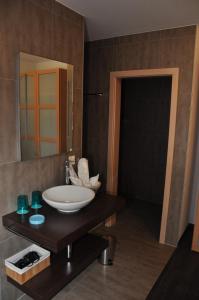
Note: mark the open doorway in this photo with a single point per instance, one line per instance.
(144, 129)
(114, 134)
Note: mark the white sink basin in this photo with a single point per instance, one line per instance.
(68, 198)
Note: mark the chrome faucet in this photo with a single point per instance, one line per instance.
(67, 172)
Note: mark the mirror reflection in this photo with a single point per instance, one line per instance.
(45, 106)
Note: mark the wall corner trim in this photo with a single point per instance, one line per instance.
(191, 137)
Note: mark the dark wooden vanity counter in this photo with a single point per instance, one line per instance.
(61, 229)
(46, 284)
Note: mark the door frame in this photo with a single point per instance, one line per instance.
(114, 133)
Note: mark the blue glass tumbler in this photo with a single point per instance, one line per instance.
(36, 200)
(22, 204)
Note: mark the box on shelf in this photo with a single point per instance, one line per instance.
(23, 275)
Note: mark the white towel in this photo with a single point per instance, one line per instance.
(83, 176)
(83, 172)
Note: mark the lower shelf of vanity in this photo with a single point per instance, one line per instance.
(49, 282)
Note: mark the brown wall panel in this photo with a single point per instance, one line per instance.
(48, 29)
(161, 49)
(43, 28)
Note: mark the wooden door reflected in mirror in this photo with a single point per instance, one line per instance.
(45, 105)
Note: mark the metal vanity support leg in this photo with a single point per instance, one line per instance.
(107, 255)
(69, 251)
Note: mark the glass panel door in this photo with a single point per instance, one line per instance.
(27, 100)
(47, 88)
(40, 113)
(47, 148)
(48, 123)
(48, 111)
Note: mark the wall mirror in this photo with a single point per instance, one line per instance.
(45, 106)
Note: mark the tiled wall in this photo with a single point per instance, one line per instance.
(161, 49)
(44, 28)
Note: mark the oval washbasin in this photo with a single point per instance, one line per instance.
(68, 198)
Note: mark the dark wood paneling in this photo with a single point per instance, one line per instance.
(48, 29)
(144, 137)
(95, 134)
(8, 118)
(166, 48)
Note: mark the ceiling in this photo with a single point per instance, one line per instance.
(110, 18)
